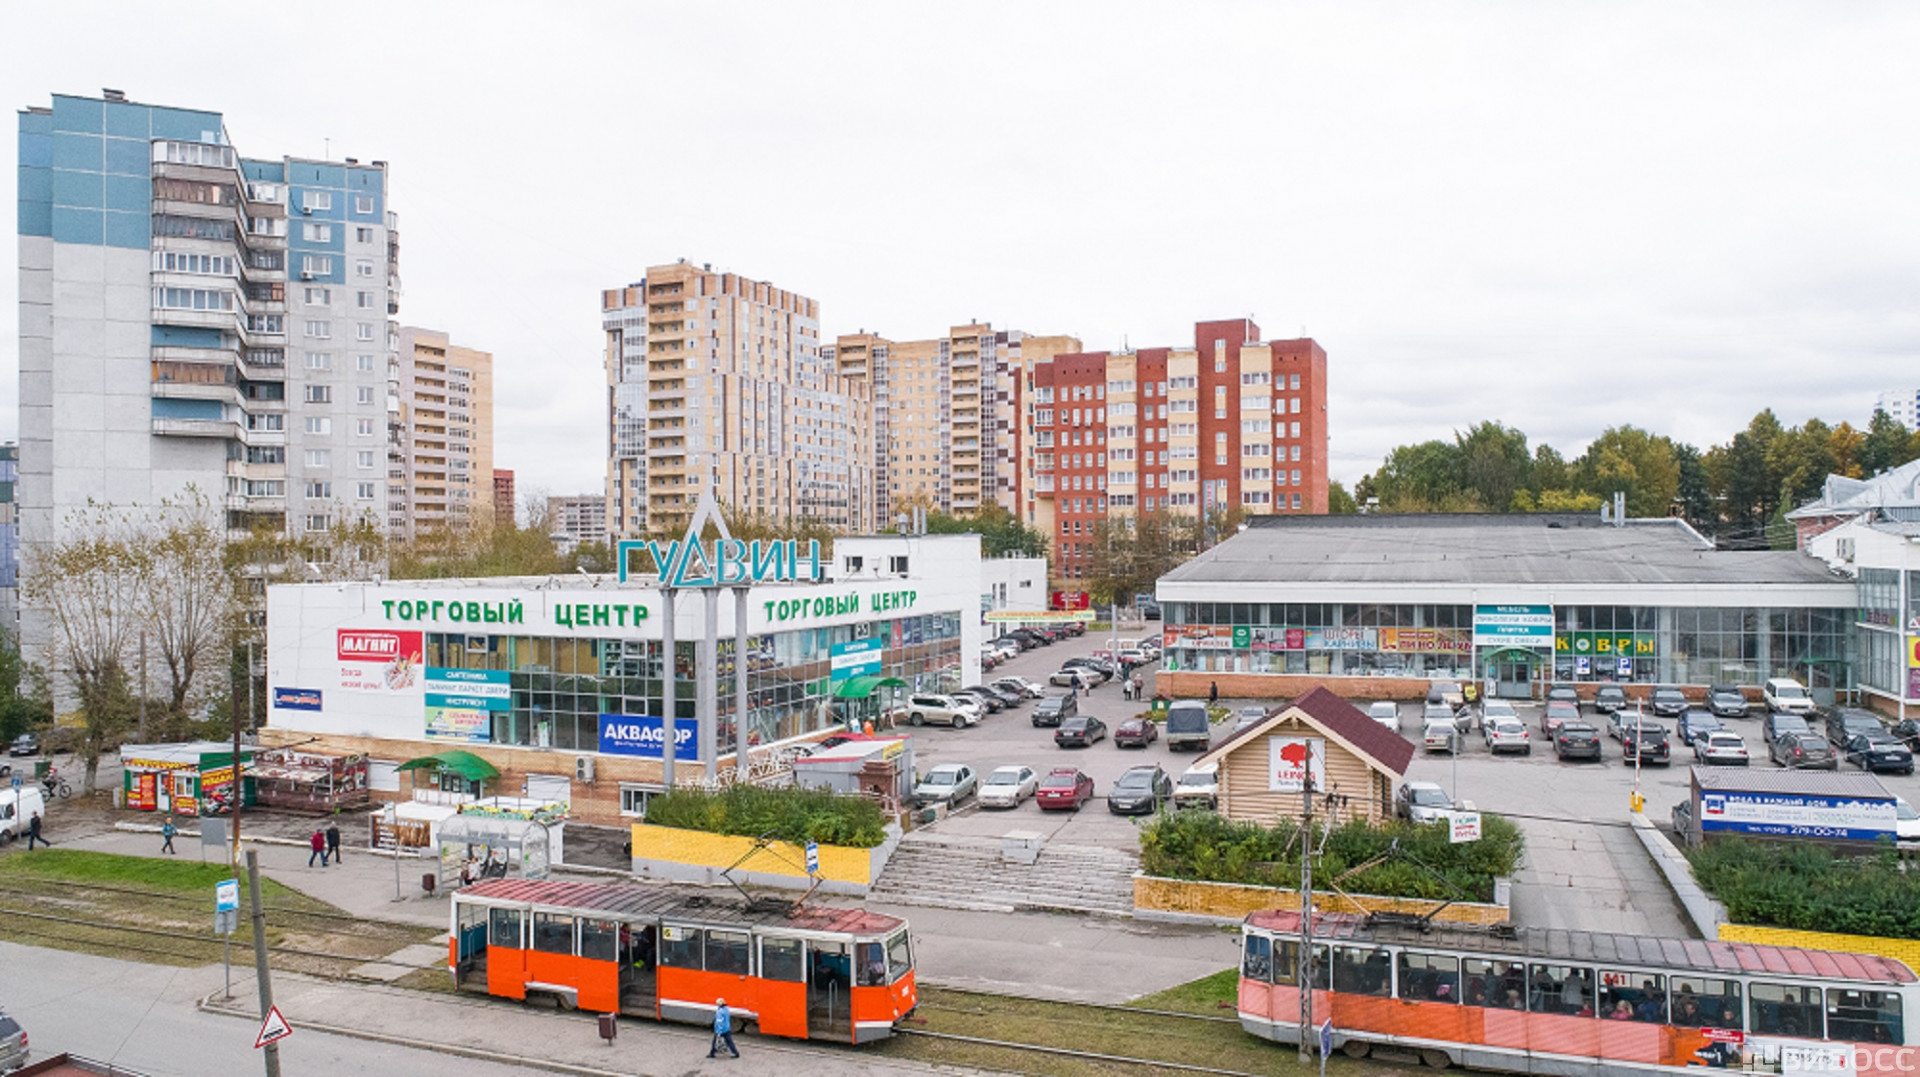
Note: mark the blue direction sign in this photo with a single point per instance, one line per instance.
(813, 857)
(226, 896)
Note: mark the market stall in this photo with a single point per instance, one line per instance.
(314, 781)
(193, 778)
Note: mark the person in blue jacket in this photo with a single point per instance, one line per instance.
(722, 1030)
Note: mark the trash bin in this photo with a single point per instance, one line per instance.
(609, 1027)
(427, 882)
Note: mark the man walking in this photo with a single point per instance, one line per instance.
(333, 842)
(167, 831)
(33, 833)
(722, 1030)
(1213, 693)
(318, 843)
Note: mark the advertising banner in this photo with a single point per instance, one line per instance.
(1513, 626)
(1291, 760)
(1793, 815)
(1426, 640)
(1606, 644)
(1036, 617)
(1071, 600)
(296, 699)
(471, 689)
(856, 658)
(1913, 652)
(1342, 639)
(379, 660)
(1269, 638)
(642, 734)
(468, 725)
(1913, 683)
(1205, 637)
(1463, 826)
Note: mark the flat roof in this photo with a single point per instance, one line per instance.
(1805, 783)
(1543, 549)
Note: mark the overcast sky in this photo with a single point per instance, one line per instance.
(1561, 216)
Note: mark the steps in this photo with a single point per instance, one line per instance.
(960, 872)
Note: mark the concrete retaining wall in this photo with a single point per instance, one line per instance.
(1228, 902)
(695, 856)
(1709, 916)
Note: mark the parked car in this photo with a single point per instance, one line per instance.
(1422, 802)
(1052, 710)
(1447, 693)
(1726, 701)
(1803, 751)
(1721, 749)
(1906, 827)
(1845, 723)
(1461, 720)
(1074, 677)
(1880, 753)
(1248, 716)
(1080, 731)
(1063, 789)
(1695, 724)
(13, 1045)
(989, 657)
(1619, 720)
(1646, 743)
(1440, 735)
(1386, 712)
(941, 710)
(1006, 787)
(24, 744)
(1564, 693)
(1008, 695)
(1787, 694)
(1142, 790)
(1189, 725)
(1669, 702)
(1135, 733)
(1030, 689)
(1133, 656)
(987, 702)
(1775, 724)
(1574, 739)
(1558, 713)
(1908, 730)
(1506, 735)
(1609, 698)
(1199, 787)
(1497, 710)
(950, 783)
(1099, 667)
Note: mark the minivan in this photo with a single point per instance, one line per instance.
(1052, 710)
(1787, 694)
(1188, 726)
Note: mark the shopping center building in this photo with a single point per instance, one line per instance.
(552, 688)
(1378, 606)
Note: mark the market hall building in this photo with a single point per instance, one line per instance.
(1376, 606)
(551, 687)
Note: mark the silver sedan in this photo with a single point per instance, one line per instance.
(1006, 787)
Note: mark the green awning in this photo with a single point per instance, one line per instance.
(466, 764)
(863, 686)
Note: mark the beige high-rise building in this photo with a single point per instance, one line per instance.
(716, 381)
(440, 459)
(947, 428)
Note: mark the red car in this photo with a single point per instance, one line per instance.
(1064, 789)
(1135, 733)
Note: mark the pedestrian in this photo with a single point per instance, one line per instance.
(167, 831)
(722, 1030)
(1213, 693)
(33, 832)
(333, 841)
(1138, 685)
(318, 843)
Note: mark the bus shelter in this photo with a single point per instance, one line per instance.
(476, 847)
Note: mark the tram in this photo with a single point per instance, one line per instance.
(1577, 1002)
(802, 971)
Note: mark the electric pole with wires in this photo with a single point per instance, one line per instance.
(1303, 966)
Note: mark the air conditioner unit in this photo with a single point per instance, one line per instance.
(583, 768)
(305, 210)
(304, 275)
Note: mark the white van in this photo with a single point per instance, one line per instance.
(17, 806)
(1784, 695)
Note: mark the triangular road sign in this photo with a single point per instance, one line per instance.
(274, 1028)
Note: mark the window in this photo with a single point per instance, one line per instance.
(319, 491)
(552, 933)
(265, 323)
(363, 394)
(363, 459)
(1560, 989)
(363, 331)
(316, 200)
(319, 394)
(599, 939)
(1256, 958)
(1429, 978)
(1252, 402)
(320, 330)
(680, 947)
(316, 265)
(316, 295)
(363, 300)
(319, 458)
(363, 234)
(727, 952)
(362, 268)
(1296, 430)
(317, 522)
(1643, 996)
(503, 929)
(192, 299)
(1704, 1003)
(319, 361)
(316, 233)
(635, 797)
(1255, 450)
(364, 491)
(1864, 1016)
(1294, 405)
(1255, 474)
(900, 959)
(363, 363)
(363, 203)
(363, 428)
(1293, 382)
(1258, 377)
(319, 424)
(1362, 970)
(781, 959)
(1254, 426)
(1783, 1010)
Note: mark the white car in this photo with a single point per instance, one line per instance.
(1077, 676)
(941, 710)
(949, 782)
(1199, 787)
(1506, 735)
(1906, 826)
(1440, 735)
(1496, 709)
(1788, 696)
(1030, 689)
(1386, 712)
(1423, 802)
(1006, 787)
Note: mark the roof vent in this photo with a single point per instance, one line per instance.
(112, 95)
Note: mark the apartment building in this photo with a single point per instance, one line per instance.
(946, 428)
(441, 423)
(504, 514)
(716, 381)
(577, 521)
(1232, 421)
(1902, 405)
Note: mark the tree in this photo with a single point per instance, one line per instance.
(25, 704)
(1741, 479)
(1494, 464)
(1422, 478)
(1887, 444)
(1339, 502)
(1131, 552)
(1550, 470)
(1693, 495)
(190, 604)
(1001, 532)
(1629, 460)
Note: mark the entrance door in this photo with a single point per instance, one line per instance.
(1512, 676)
(1820, 684)
(829, 991)
(470, 948)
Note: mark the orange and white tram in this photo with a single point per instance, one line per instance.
(1577, 1002)
(804, 971)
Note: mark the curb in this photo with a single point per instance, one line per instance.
(1706, 913)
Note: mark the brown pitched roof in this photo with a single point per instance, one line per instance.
(1337, 717)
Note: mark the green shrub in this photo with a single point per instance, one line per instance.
(1810, 888)
(790, 813)
(1206, 847)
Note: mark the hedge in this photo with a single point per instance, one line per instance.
(789, 813)
(1810, 888)
(1206, 847)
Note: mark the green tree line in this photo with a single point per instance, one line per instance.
(1737, 492)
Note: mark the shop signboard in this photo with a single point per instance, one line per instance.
(1037, 617)
(724, 562)
(296, 699)
(379, 659)
(1273, 638)
(856, 658)
(1292, 761)
(1343, 639)
(1071, 600)
(641, 735)
(1913, 682)
(466, 725)
(1913, 652)
(474, 689)
(1797, 815)
(1513, 626)
(1606, 644)
(1203, 637)
(1426, 640)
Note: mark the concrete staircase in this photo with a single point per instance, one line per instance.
(962, 872)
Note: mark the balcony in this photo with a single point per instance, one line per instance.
(200, 428)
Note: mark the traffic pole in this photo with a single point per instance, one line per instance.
(264, 974)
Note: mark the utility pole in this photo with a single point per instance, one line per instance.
(261, 971)
(1303, 968)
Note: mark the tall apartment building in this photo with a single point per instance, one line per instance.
(717, 382)
(504, 514)
(441, 424)
(192, 317)
(9, 537)
(581, 519)
(1901, 404)
(1232, 421)
(945, 429)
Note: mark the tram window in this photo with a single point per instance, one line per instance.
(1561, 989)
(1286, 956)
(899, 957)
(1785, 1010)
(552, 933)
(1499, 985)
(1864, 1016)
(1256, 958)
(680, 947)
(503, 929)
(1644, 995)
(780, 959)
(1362, 970)
(870, 964)
(599, 939)
(1429, 978)
(1704, 1003)
(727, 952)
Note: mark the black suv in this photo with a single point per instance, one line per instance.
(1845, 723)
(1647, 741)
(1051, 710)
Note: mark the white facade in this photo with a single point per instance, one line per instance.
(1901, 404)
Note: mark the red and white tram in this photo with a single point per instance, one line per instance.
(1577, 1002)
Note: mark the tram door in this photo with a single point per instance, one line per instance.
(639, 984)
(470, 947)
(829, 990)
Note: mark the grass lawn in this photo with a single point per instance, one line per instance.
(1208, 996)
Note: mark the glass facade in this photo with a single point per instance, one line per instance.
(561, 686)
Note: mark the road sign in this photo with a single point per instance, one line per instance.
(1326, 1042)
(226, 895)
(226, 921)
(273, 1029)
(16, 781)
(1465, 826)
(813, 858)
